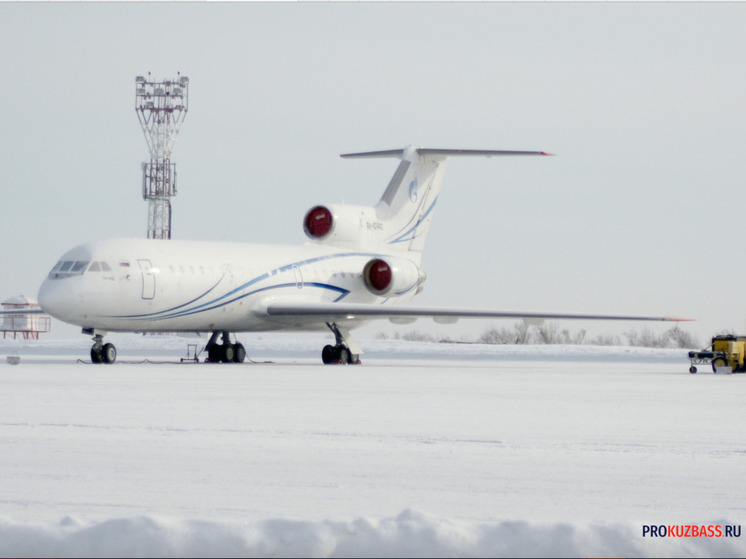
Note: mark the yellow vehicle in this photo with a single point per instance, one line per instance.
(725, 352)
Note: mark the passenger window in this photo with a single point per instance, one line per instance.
(95, 267)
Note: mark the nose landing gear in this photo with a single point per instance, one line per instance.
(101, 352)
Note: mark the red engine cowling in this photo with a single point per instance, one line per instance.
(391, 276)
(343, 226)
(318, 222)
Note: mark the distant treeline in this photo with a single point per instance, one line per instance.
(550, 333)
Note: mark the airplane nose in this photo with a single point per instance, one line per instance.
(55, 299)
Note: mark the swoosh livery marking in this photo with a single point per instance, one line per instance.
(404, 237)
(344, 293)
(215, 302)
(172, 308)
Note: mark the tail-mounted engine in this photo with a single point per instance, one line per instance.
(343, 226)
(392, 277)
(318, 222)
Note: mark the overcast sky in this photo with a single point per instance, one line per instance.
(643, 210)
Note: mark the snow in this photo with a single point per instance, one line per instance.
(424, 450)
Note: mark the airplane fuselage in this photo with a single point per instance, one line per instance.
(361, 264)
(156, 285)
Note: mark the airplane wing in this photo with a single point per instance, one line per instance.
(342, 312)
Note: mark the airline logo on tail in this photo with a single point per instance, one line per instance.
(413, 190)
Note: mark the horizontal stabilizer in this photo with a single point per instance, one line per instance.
(477, 152)
(386, 153)
(443, 152)
(327, 312)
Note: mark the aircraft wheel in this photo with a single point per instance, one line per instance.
(693, 370)
(343, 355)
(214, 353)
(108, 353)
(327, 354)
(239, 354)
(229, 353)
(96, 356)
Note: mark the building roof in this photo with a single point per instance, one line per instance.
(20, 301)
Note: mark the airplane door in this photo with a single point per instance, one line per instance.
(148, 279)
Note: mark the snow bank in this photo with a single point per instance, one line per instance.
(408, 535)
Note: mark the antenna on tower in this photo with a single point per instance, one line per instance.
(161, 108)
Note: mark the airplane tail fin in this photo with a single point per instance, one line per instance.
(406, 207)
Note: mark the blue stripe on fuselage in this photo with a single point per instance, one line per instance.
(212, 304)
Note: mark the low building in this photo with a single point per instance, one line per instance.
(27, 325)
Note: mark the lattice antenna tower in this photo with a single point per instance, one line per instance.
(161, 108)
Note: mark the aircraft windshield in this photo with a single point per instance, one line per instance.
(68, 268)
(99, 267)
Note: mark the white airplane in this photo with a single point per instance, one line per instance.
(361, 264)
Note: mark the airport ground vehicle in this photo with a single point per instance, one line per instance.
(726, 354)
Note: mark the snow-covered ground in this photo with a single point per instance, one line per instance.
(424, 450)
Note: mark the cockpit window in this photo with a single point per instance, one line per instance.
(68, 268)
(99, 267)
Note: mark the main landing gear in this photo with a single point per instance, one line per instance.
(344, 352)
(225, 352)
(101, 352)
